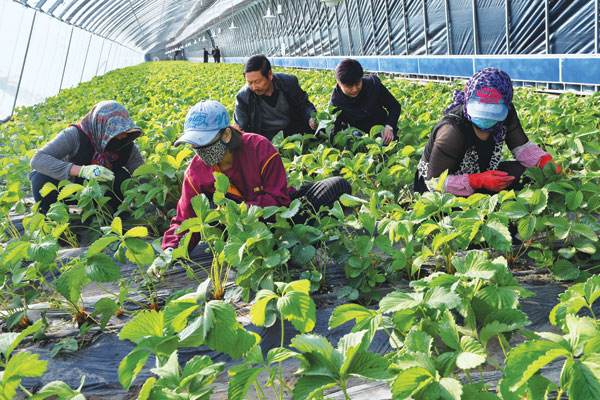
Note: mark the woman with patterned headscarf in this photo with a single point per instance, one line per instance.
(468, 141)
(99, 147)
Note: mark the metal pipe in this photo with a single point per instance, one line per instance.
(86, 57)
(66, 60)
(99, 59)
(339, 28)
(547, 25)
(405, 20)
(375, 44)
(349, 31)
(596, 27)
(425, 24)
(12, 110)
(388, 27)
(475, 27)
(448, 27)
(507, 20)
(360, 29)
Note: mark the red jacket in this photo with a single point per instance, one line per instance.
(257, 177)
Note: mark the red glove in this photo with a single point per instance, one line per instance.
(548, 159)
(493, 181)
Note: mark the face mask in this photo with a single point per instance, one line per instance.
(213, 154)
(484, 123)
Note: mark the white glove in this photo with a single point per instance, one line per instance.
(161, 263)
(98, 172)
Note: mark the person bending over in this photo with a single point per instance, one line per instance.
(99, 147)
(469, 139)
(363, 101)
(252, 164)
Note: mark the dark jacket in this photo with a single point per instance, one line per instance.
(374, 105)
(247, 113)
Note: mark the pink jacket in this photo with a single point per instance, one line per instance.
(256, 177)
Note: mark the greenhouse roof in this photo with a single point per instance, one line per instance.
(140, 24)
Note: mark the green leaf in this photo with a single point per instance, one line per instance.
(44, 252)
(472, 354)
(448, 331)
(69, 190)
(10, 341)
(574, 200)
(302, 286)
(221, 182)
(292, 209)
(131, 366)
(48, 188)
(311, 387)
(24, 365)
(258, 311)
(299, 309)
(497, 236)
(223, 332)
(137, 232)
(527, 359)
(396, 301)
(585, 231)
(177, 313)
(451, 389)
(526, 227)
(117, 226)
(514, 209)
(442, 298)
(146, 389)
(139, 252)
(142, 325)
(240, 381)
(71, 282)
(585, 379)
(410, 381)
(279, 354)
(502, 321)
(69, 345)
(100, 244)
(58, 390)
(347, 312)
(351, 201)
(106, 308)
(102, 268)
(319, 348)
(169, 370)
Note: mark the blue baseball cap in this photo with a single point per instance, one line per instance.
(487, 103)
(203, 122)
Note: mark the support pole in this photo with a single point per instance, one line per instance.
(12, 110)
(507, 20)
(62, 78)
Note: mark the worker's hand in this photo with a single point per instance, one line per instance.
(313, 124)
(494, 181)
(161, 263)
(547, 159)
(388, 134)
(97, 172)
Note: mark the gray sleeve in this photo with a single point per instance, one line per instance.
(241, 114)
(135, 159)
(53, 158)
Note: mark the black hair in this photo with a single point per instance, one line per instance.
(236, 139)
(349, 71)
(258, 62)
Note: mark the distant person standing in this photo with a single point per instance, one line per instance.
(217, 54)
(205, 55)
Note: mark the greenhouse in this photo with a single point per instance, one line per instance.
(287, 199)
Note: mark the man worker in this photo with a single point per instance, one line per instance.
(270, 102)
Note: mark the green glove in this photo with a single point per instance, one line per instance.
(98, 172)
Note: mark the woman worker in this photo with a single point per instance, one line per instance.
(99, 147)
(249, 160)
(469, 139)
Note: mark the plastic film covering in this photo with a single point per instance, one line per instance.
(397, 27)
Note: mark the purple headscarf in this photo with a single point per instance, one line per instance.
(487, 78)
